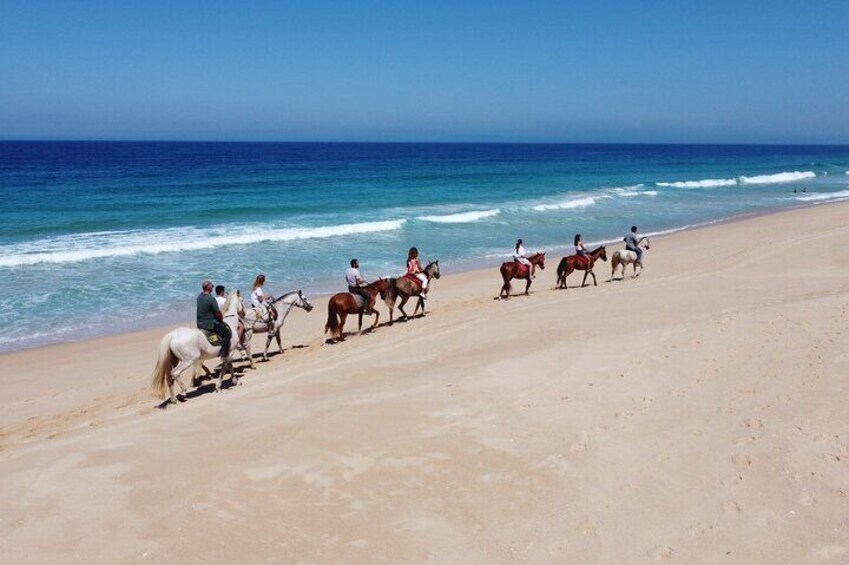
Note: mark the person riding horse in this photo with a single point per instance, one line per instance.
(356, 285)
(209, 318)
(520, 256)
(632, 243)
(580, 250)
(414, 268)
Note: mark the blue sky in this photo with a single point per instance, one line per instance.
(637, 71)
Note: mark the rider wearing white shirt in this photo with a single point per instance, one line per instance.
(220, 296)
(520, 256)
(356, 283)
(258, 298)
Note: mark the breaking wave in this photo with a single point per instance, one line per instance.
(82, 247)
(789, 176)
(818, 196)
(567, 204)
(461, 218)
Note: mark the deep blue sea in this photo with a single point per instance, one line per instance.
(106, 237)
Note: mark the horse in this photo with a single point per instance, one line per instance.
(626, 257)
(513, 270)
(272, 323)
(343, 303)
(573, 263)
(187, 348)
(406, 288)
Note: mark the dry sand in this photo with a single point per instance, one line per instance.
(698, 414)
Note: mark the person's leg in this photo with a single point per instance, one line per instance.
(223, 332)
(639, 255)
(423, 278)
(367, 305)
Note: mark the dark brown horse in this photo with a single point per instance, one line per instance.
(405, 288)
(343, 303)
(513, 270)
(575, 263)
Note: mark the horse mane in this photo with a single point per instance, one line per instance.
(282, 296)
(227, 302)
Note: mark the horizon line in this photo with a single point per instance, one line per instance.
(431, 142)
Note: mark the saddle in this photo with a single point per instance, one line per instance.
(584, 260)
(360, 302)
(413, 278)
(213, 338)
(522, 267)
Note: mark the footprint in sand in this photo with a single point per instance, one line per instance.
(741, 459)
(731, 507)
(661, 553)
(753, 423)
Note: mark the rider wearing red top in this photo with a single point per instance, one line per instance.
(414, 267)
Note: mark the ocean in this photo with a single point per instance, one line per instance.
(106, 237)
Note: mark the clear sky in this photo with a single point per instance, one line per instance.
(726, 71)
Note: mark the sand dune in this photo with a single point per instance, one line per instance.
(697, 414)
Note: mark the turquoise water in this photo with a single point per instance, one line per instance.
(100, 238)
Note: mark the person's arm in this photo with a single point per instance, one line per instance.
(217, 311)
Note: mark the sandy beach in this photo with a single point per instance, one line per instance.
(697, 414)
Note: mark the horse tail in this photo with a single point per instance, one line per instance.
(162, 371)
(332, 322)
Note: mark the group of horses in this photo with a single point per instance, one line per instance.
(185, 349)
(621, 258)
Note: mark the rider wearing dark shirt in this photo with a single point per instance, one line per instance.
(632, 243)
(209, 317)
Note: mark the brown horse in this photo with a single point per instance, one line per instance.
(574, 263)
(513, 270)
(343, 303)
(405, 288)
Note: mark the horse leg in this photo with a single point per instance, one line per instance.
(584, 282)
(279, 339)
(420, 304)
(528, 286)
(341, 330)
(404, 300)
(176, 373)
(360, 323)
(268, 338)
(595, 282)
(376, 319)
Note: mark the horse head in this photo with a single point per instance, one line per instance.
(303, 302)
(432, 269)
(541, 261)
(602, 253)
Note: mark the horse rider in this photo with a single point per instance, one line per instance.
(209, 317)
(632, 243)
(356, 285)
(414, 267)
(521, 256)
(220, 296)
(580, 250)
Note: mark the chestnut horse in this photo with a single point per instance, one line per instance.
(574, 263)
(405, 288)
(343, 303)
(513, 270)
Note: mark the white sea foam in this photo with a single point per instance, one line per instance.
(461, 218)
(778, 178)
(567, 204)
(706, 183)
(787, 176)
(818, 196)
(82, 247)
(632, 191)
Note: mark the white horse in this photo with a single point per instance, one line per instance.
(627, 257)
(272, 324)
(187, 348)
